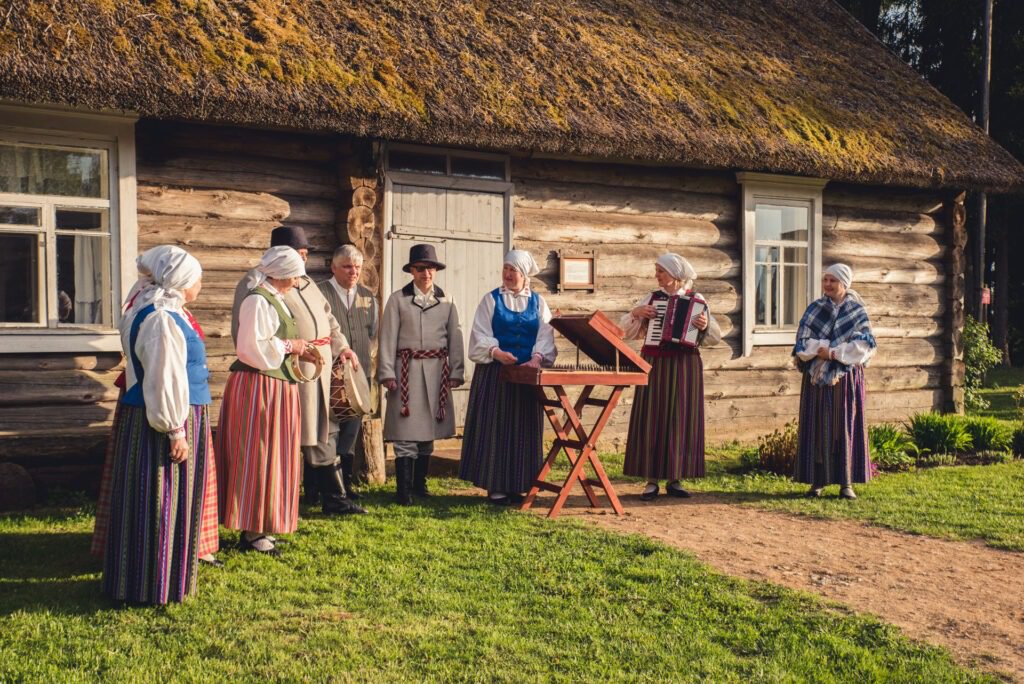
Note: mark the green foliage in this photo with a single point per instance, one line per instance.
(777, 451)
(935, 460)
(892, 449)
(935, 433)
(1017, 445)
(988, 434)
(749, 459)
(980, 356)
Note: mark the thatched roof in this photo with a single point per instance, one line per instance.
(791, 86)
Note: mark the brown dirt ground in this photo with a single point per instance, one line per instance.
(961, 595)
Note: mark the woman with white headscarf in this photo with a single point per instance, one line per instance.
(161, 439)
(258, 457)
(833, 344)
(666, 425)
(503, 439)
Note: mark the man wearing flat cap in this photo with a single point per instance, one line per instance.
(421, 360)
(319, 430)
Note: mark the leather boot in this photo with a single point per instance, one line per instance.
(403, 476)
(332, 489)
(419, 483)
(346, 472)
(310, 484)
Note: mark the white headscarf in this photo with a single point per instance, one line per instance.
(164, 271)
(844, 274)
(280, 262)
(522, 261)
(678, 267)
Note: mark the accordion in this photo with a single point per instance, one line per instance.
(673, 325)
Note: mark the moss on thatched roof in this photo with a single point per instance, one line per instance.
(791, 86)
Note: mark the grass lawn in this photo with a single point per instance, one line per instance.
(1000, 385)
(451, 591)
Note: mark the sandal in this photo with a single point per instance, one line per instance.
(254, 545)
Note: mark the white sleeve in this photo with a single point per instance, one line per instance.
(855, 353)
(634, 328)
(257, 346)
(160, 348)
(811, 350)
(481, 336)
(545, 345)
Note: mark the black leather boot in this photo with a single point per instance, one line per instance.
(403, 477)
(419, 483)
(346, 472)
(310, 484)
(332, 489)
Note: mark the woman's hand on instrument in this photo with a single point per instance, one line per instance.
(310, 354)
(534, 362)
(179, 450)
(503, 357)
(350, 356)
(824, 353)
(453, 383)
(644, 311)
(390, 384)
(701, 321)
(298, 346)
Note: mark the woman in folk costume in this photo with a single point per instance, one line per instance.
(666, 425)
(503, 440)
(833, 344)
(259, 461)
(209, 534)
(161, 442)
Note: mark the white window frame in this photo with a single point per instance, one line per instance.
(116, 134)
(771, 188)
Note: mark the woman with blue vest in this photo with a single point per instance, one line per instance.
(161, 441)
(503, 440)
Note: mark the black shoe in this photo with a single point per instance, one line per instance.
(246, 545)
(502, 500)
(814, 492)
(403, 481)
(419, 481)
(333, 494)
(677, 491)
(649, 495)
(515, 498)
(310, 490)
(346, 473)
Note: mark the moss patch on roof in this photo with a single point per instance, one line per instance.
(792, 86)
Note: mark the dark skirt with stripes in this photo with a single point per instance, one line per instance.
(155, 510)
(503, 439)
(666, 425)
(833, 438)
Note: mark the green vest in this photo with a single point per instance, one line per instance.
(286, 330)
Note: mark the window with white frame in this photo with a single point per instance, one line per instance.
(62, 243)
(781, 255)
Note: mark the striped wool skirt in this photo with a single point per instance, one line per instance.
(209, 532)
(259, 463)
(666, 425)
(155, 510)
(833, 439)
(503, 439)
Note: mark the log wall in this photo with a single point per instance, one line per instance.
(897, 242)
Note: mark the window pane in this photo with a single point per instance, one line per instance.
(776, 222)
(81, 219)
(48, 171)
(794, 255)
(417, 161)
(478, 168)
(766, 254)
(20, 216)
(19, 278)
(766, 286)
(83, 280)
(795, 278)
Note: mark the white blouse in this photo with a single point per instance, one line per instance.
(482, 340)
(160, 348)
(256, 344)
(636, 328)
(855, 353)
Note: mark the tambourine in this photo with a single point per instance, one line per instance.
(295, 363)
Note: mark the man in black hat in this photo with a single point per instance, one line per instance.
(421, 360)
(319, 427)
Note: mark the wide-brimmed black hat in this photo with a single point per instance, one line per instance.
(423, 254)
(289, 236)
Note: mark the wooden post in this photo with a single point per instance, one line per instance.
(953, 367)
(369, 461)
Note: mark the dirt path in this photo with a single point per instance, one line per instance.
(961, 595)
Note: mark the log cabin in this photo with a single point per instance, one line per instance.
(761, 139)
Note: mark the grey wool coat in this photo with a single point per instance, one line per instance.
(405, 325)
(314, 320)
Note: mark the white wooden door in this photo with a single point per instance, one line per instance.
(467, 228)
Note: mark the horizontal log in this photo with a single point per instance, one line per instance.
(894, 270)
(838, 246)
(240, 260)
(237, 141)
(624, 175)
(586, 197)
(881, 199)
(31, 388)
(19, 419)
(846, 219)
(192, 233)
(222, 172)
(903, 300)
(631, 260)
(720, 384)
(60, 362)
(55, 447)
(896, 353)
(599, 228)
(223, 204)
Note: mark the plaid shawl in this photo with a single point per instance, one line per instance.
(824, 321)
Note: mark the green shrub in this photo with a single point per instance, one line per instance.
(980, 356)
(777, 451)
(750, 460)
(934, 433)
(988, 434)
(892, 449)
(985, 458)
(935, 460)
(1018, 441)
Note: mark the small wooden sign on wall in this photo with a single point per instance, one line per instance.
(576, 270)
